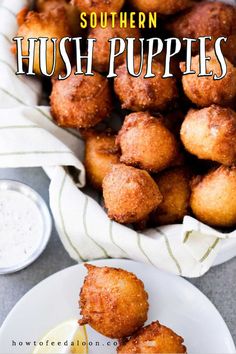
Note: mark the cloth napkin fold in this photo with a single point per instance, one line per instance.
(29, 137)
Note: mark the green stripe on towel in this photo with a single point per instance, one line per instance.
(170, 251)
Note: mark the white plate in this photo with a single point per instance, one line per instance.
(173, 301)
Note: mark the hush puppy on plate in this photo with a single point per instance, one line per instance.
(205, 91)
(213, 198)
(130, 195)
(210, 134)
(174, 185)
(113, 301)
(154, 338)
(101, 52)
(215, 19)
(141, 94)
(98, 6)
(45, 24)
(101, 154)
(81, 101)
(145, 142)
(163, 7)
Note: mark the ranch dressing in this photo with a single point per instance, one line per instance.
(21, 227)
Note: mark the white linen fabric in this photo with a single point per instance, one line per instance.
(29, 137)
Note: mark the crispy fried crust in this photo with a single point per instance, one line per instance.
(154, 338)
(21, 16)
(146, 143)
(81, 101)
(163, 7)
(101, 154)
(213, 198)
(174, 185)
(113, 301)
(204, 91)
(98, 6)
(141, 94)
(71, 11)
(101, 52)
(213, 19)
(130, 194)
(210, 134)
(45, 25)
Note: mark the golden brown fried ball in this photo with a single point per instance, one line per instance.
(101, 52)
(100, 154)
(139, 93)
(71, 11)
(163, 7)
(210, 134)
(81, 101)
(113, 301)
(204, 91)
(213, 198)
(130, 195)
(174, 185)
(145, 142)
(37, 25)
(98, 6)
(215, 19)
(154, 338)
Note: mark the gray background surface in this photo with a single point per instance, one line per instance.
(219, 284)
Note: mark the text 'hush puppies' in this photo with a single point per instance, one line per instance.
(140, 93)
(113, 301)
(205, 91)
(154, 338)
(174, 185)
(213, 198)
(98, 6)
(163, 7)
(130, 195)
(101, 52)
(81, 101)
(45, 24)
(101, 154)
(210, 134)
(211, 18)
(145, 142)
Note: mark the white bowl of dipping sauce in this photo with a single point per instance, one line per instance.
(25, 226)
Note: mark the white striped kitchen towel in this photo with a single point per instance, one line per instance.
(29, 137)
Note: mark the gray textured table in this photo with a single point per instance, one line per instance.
(219, 284)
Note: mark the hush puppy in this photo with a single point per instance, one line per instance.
(163, 7)
(113, 301)
(154, 338)
(174, 185)
(101, 52)
(215, 19)
(130, 195)
(145, 142)
(81, 101)
(210, 134)
(71, 11)
(213, 198)
(98, 6)
(36, 25)
(140, 93)
(204, 90)
(100, 154)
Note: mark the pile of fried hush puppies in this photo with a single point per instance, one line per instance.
(114, 302)
(175, 152)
